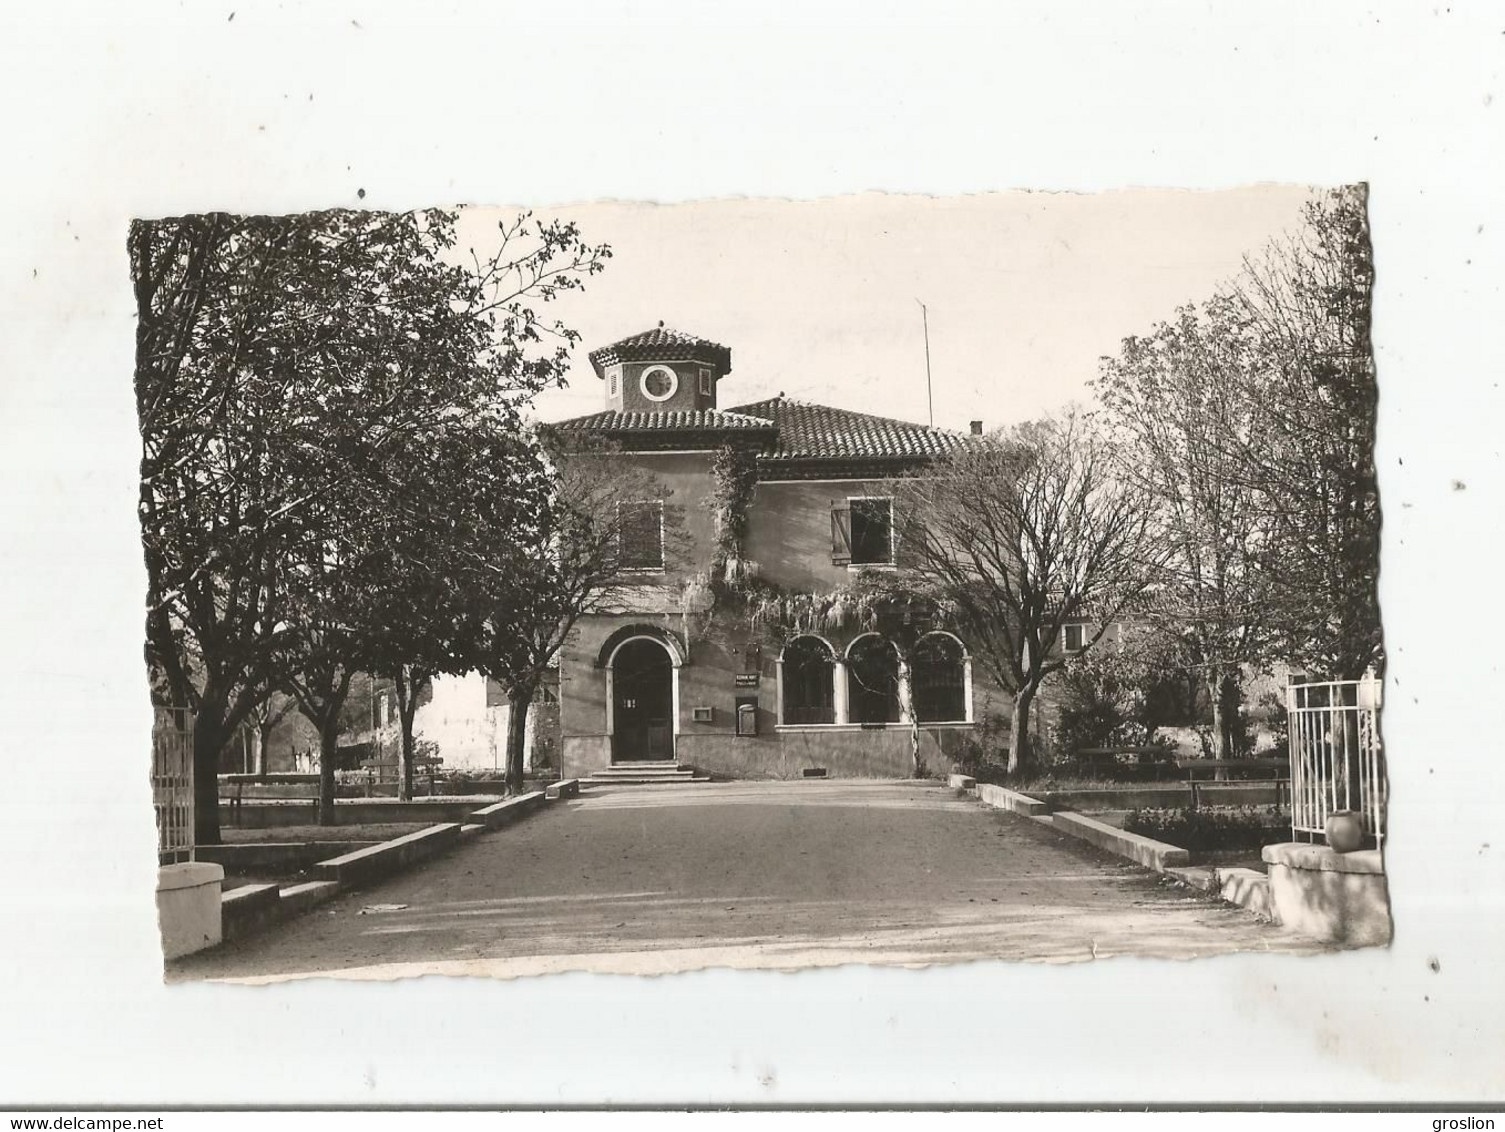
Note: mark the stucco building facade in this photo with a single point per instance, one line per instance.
(643, 683)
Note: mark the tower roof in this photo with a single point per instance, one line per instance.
(662, 344)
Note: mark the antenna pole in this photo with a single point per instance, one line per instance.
(929, 395)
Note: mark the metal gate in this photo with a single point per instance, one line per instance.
(172, 783)
(1337, 762)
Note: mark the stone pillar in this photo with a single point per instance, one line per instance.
(839, 679)
(967, 686)
(906, 701)
(778, 692)
(188, 907)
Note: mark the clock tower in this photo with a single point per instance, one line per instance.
(661, 371)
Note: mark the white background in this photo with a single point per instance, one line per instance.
(111, 111)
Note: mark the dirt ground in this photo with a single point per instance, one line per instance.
(653, 879)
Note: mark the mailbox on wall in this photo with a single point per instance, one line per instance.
(747, 715)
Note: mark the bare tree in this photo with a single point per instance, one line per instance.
(1017, 534)
(603, 532)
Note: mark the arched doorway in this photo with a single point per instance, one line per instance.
(642, 702)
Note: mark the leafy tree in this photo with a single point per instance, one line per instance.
(1182, 417)
(1019, 533)
(277, 360)
(1308, 302)
(464, 523)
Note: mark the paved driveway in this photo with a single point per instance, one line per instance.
(789, 874)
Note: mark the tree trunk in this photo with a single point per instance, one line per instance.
(1219, 724)
(1232, 735)
(409, 686)
(260, 737)
(329, 746)
(208, 739)
(405, 759)
(1019, 732)
(405, 747)
(517, 720)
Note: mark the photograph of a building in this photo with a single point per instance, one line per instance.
(722, 600)
(639, 689)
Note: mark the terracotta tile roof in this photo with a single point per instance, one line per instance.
(684, 420)
(662, 344)
(820, 432)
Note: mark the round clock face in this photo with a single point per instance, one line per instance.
(659, 383)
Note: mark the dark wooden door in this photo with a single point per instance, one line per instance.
(642, 703)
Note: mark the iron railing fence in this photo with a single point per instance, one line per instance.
(1337, 761)
(172, 783)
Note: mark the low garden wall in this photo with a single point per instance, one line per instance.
(1165, 797)
(1341, 897)
(270, 814)
(275, 856)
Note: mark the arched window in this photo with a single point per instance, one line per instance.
(873, 680)
(938, 680)
(809, 681)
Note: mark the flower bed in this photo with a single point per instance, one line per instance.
(1210, 829)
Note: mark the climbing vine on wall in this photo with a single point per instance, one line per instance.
(734, 474)
(732, 600)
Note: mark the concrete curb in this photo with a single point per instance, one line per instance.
(248, 908)
(565, 788)
(961, 782)
(269, 856)
(509, 810)
(1248, 888)
(1001, 798)
(252, 907)
(301, 897)
(1152, 854)
(389, 856)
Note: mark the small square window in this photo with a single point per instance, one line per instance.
(1073, 637)
(705, 382)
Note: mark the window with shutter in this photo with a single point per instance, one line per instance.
(841, 535)
(872, 531)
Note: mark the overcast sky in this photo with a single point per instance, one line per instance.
(1026, 291)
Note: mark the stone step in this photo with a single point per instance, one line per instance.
(686, 779)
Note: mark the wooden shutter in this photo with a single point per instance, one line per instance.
(841, 535)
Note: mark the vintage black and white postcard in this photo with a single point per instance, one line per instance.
(938, 579)
(643, 555)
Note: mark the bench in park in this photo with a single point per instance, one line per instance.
(1129, 762)
(1275, 771)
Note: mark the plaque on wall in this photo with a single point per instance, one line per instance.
(747, 679)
